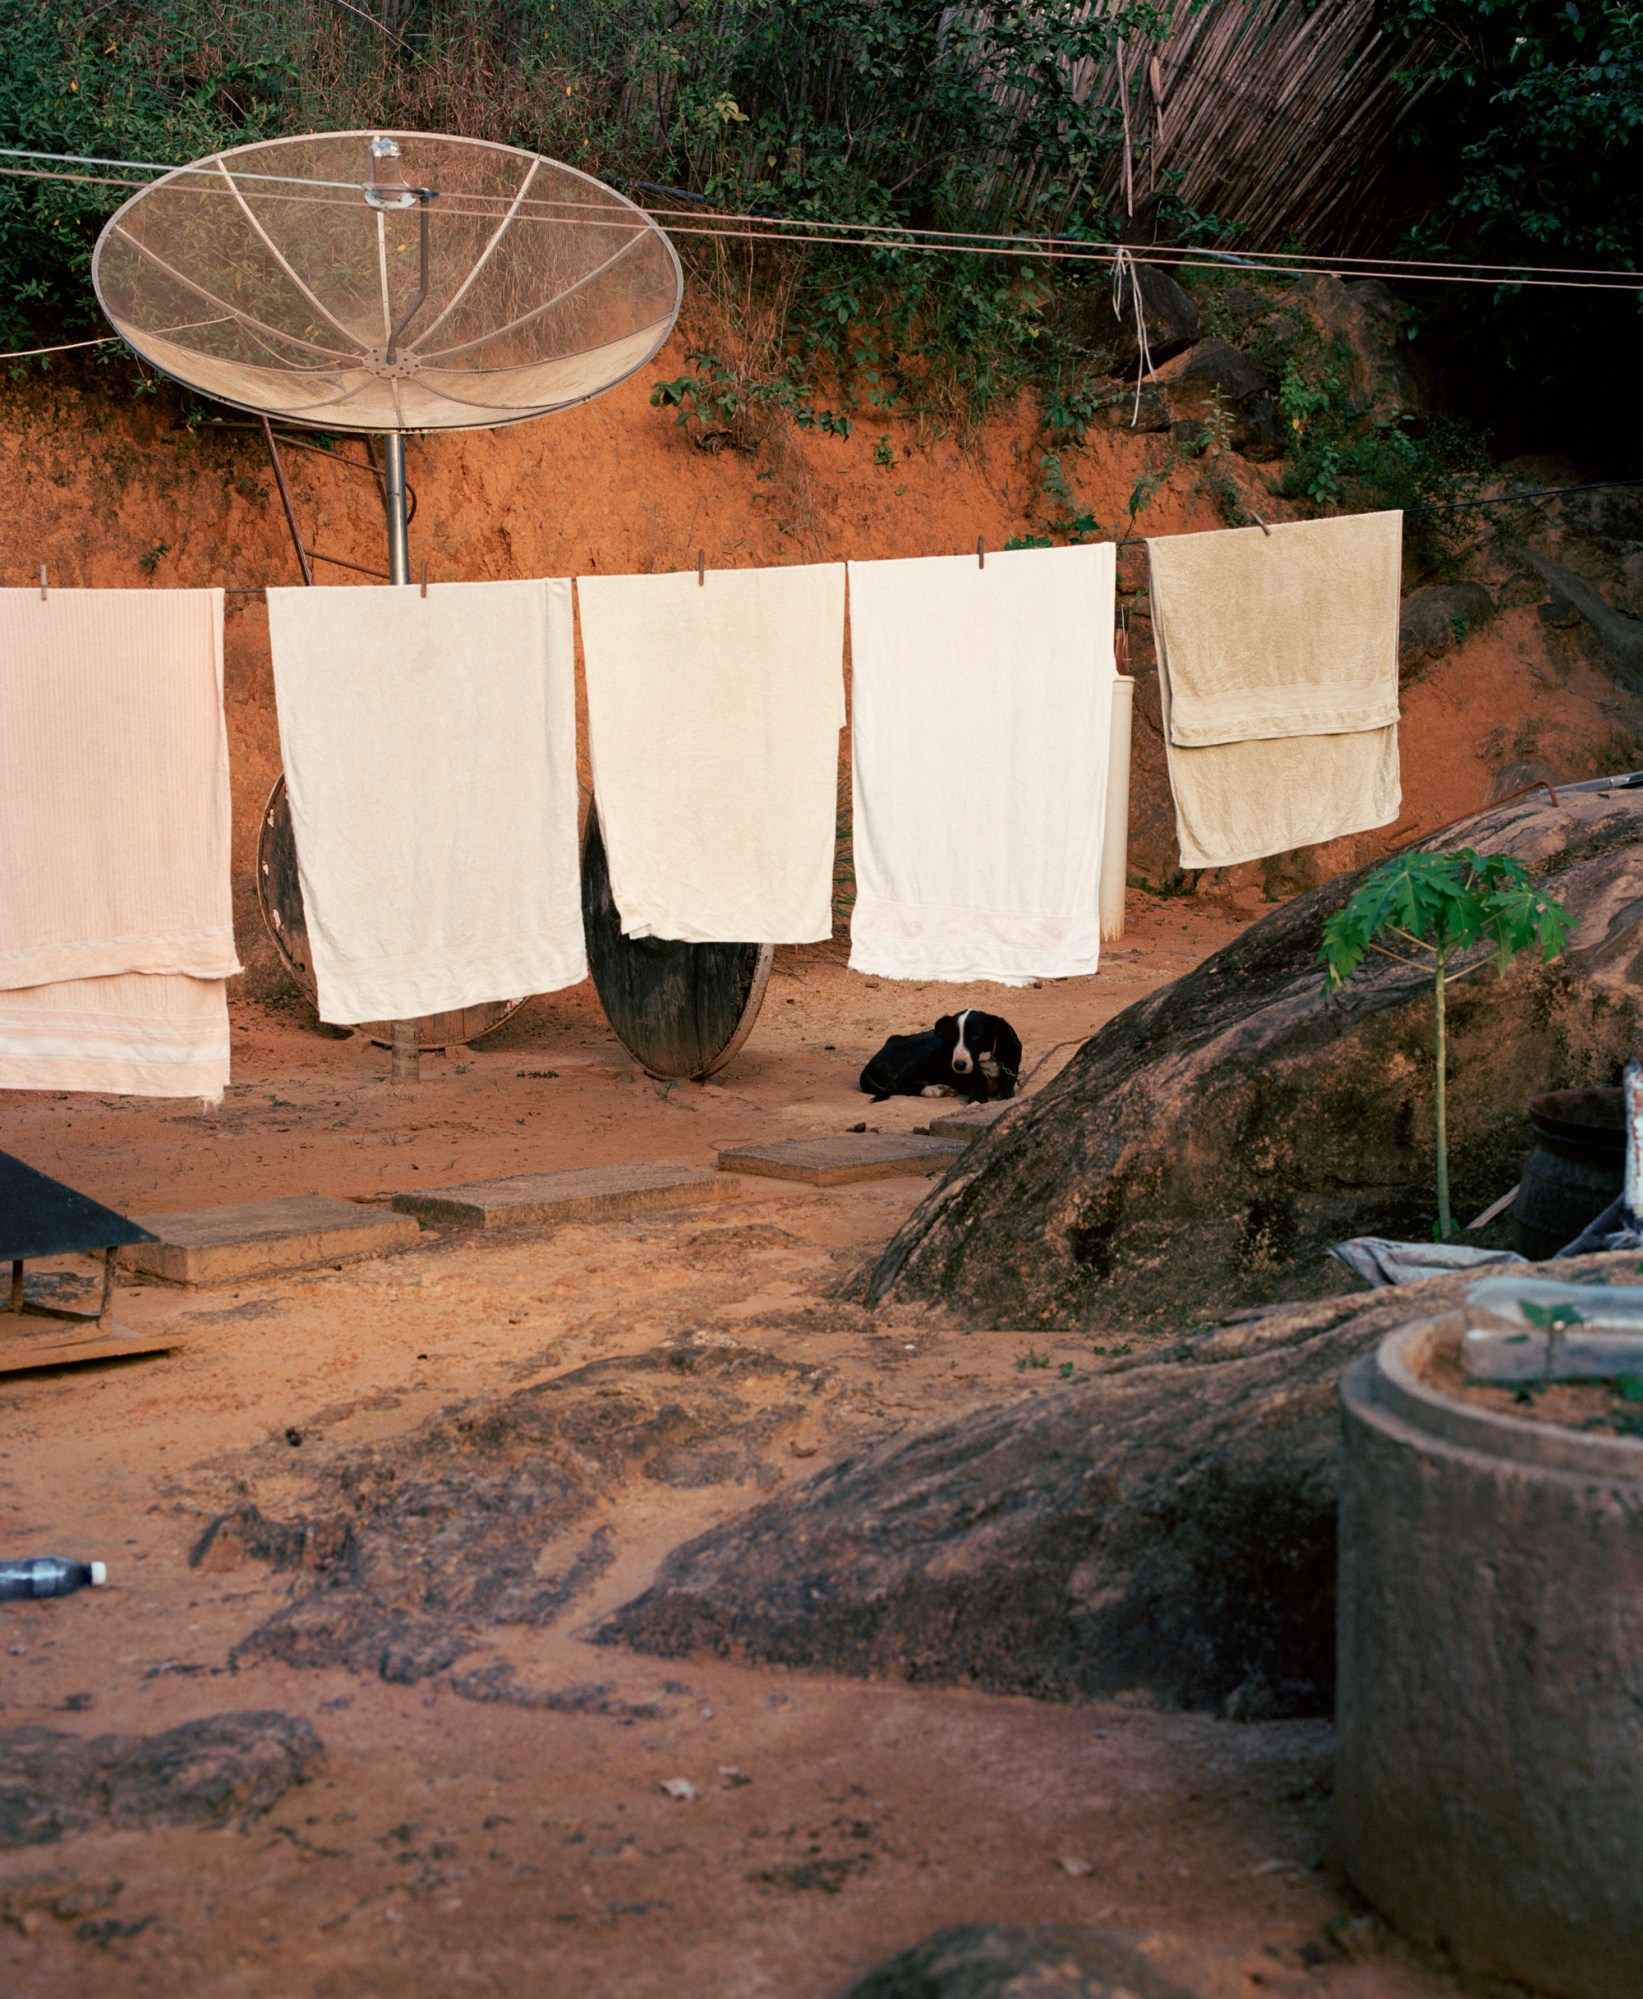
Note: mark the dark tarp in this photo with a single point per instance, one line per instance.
(41, 1217)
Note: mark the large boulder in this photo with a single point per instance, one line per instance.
(1366, 323)
(1107, 332)
(1162, 1532)
(1215, 380)
(1616, 640)
(1434, 621)
(1206, 1145)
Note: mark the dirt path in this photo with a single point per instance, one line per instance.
(492, 1821)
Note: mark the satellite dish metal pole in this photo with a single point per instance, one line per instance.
(388, 190)
(399, 540)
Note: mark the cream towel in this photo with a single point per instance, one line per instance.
(134, 1034)
(1288, 633)
(114, 808)
(1238, 801)
(430, 754)
(714, 711)
(981, 714)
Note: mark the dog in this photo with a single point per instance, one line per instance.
(970, 1054)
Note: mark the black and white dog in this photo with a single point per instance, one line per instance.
(970, 1054)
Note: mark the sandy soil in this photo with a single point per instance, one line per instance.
(1604, 1407)
(453, 1845)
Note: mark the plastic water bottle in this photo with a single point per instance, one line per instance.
(48, 1575)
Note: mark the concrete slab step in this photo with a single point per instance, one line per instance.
(968, 1124)
(837, 1160)
(28, 1341)
(257, 1238)
(579, 1194)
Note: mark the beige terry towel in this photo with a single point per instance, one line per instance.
(430, 756)
(1238, 801)
(714, 711)
(135, 1034)
(1293, 632)
(114, 808)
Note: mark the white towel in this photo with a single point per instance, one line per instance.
(114, 806)
(430, 754)
(714, 711)
(981, 715)
(134, 1034)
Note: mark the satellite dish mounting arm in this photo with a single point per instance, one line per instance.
(424, 195)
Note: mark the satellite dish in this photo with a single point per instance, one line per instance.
(388, 281)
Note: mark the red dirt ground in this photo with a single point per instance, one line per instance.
(449, 1848)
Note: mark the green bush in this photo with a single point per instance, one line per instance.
(1343, 454)
(1429, 911)
(886, 111)
(1529, 145)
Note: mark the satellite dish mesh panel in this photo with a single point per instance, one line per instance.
(268, 277)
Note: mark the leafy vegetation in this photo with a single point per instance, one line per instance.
(1428, 911)
(1346, 454)
(1531, 144)
(883, 111)
(895, 112)
(1542, 105)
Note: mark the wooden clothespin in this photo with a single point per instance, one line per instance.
(1261, 524)
(424, 576)
(981, 551)
(43, 590)
(701, 569)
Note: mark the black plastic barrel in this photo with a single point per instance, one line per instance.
(1575, 1170)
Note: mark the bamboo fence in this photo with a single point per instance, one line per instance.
(1278, 116)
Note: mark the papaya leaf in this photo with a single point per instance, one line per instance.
(1439, 905)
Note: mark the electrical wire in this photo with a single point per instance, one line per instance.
(66, 347)
(899, 237)
(213, 168)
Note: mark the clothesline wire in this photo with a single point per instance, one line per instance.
(898, 237)
(217, 166)
(1493, 500)
(1057, 244)
(1140, 541)
(65, 347)
(158, 167)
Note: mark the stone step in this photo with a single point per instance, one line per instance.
(256, 1238)
(968, 1124)
(29, 1340)
(579, 1194)
(837, 1160)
